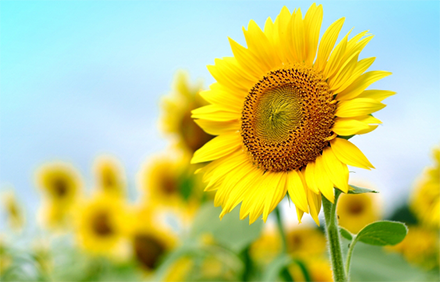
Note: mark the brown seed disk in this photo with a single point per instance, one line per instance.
(287, 118)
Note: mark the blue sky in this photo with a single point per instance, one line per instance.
(80, 78)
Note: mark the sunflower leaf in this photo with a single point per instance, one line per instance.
(360, 190)
(382, 233)
(345, 233)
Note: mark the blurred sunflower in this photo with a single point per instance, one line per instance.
(110, 176)
(420, 247)
(305, 242)
(266, 248)
(355, 211)
(425, 200)
(176, 118)
(318, 270)
(283, 118)
(168, 180)
(149, 241)
(5, 257)
(13, 210)
(61, 186)
(102, 225)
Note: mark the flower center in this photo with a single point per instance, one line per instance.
(287, 119)
(102, 225)
(148, 250)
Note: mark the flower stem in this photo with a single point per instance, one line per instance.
(284, 273)
(333, 237)
(350, 252)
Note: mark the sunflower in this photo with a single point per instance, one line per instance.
(13, 210)
(149, 241)
(356, 211)
(305, 241)
(282, 118)
(61, 185)
(102, 225)
(168, 180)
(110, 176)
(425, 200)
(176, 118)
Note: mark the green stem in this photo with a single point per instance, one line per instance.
(349, 254)
(284, 272)
(333, 237)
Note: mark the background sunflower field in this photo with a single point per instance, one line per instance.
(97, 136)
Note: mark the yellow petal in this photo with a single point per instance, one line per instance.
(337, 171)
(349, 154)
(314, 204)
(247, 60)
(309, 175)
(325, 185)
(276, 191)
(348, 126)
(344, 73)
(242, 187)
(218, 127)
(299, 214)
(297, 191)
(369, 120)
(215, 113)
(259, 44)
(378, 95)
(282, 34)
(312, 25)
(223, 99)
(360, 68)
(361, 83)
(298, 36)
(228, 76)
(358, 107)
(217, 147)
(327, 42)
(336, 57)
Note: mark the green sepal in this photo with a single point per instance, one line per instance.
(345, 233)
(360, 190)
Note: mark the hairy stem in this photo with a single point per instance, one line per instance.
(333, 238)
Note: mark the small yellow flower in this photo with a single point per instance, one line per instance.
(282, 110)
(266, 248)
(355, 211)
(101, 225)
(425, 200)
(305, 241)
(176, 119)
(61, 186)
(420, 247)
(14, 211)
(110, 176)
(169, 180)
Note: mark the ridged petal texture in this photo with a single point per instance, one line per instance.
(289, 40)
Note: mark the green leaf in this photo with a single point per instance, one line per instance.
(382, 233)
(345, 233)
(230, 232)
(360, 190)
(346, 137)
